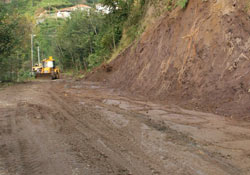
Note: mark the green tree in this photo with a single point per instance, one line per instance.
(88, 38)
(76, 39)
(14, 29)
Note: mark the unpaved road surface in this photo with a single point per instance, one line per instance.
(69, 127)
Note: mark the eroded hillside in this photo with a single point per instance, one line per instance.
(198, 57)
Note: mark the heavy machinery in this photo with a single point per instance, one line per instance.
(46, 69)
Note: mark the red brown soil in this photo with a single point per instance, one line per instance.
(67, 127)
(198, 58)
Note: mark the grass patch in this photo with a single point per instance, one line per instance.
(247, 5)
(71, 73)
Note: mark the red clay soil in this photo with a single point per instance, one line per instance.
(198, 57)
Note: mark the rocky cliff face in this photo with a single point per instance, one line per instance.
(198, 57)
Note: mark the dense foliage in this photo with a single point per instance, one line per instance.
(14, 37)
(88, 38)
(77, 39)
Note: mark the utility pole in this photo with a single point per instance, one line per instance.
(32, 59)
(32, 64)
(38, 52)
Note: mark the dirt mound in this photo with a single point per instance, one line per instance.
(198, 57)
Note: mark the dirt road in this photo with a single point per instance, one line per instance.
(69, 127)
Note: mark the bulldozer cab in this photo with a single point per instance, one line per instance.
(49, 63)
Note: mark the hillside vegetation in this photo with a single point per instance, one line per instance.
(78, 43)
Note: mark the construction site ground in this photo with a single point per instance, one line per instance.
(67, 127)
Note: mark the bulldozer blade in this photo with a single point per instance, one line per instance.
(43, 76)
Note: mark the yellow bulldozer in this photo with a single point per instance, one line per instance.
(47, 69)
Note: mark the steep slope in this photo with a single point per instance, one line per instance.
(198, 57)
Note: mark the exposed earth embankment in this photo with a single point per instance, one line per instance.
(198, 57)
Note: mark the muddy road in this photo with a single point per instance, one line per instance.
(69, 127)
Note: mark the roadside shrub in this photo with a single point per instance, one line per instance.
(23, 76)
(182, 3)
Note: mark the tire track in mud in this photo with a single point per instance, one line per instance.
(79, 139)
(22, 156)
(6, 130)
(192, 145)
(182, 139)
(35, 144)
(30, 159)
(22, 152)
(179, 138)
(81, 127)
(94, 139)
(3, 170)
(118, 154)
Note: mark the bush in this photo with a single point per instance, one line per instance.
(23, 76)
(182, 3)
